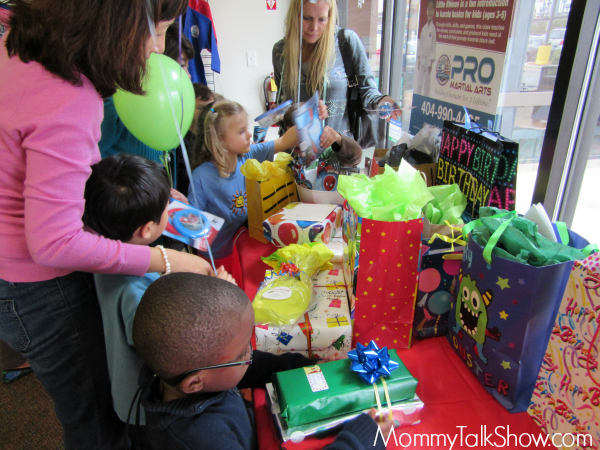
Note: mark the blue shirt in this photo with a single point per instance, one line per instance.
(226, 197)
(116, 138)
(119, 297)
(200, 31)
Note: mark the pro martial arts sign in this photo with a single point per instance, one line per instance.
(459, 60)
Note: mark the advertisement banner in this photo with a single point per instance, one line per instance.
(460, 58)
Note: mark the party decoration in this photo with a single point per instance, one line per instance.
(370, 362)
(152, 117)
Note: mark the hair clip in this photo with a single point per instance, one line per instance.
(212, 110)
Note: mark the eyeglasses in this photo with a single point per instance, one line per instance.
(179, 378)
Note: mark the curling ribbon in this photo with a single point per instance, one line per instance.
(451, 240)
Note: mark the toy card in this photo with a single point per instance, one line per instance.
(192, 226)
(310, 129)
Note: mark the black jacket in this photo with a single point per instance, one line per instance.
(224, 420)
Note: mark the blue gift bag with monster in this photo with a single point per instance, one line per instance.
(510, 286)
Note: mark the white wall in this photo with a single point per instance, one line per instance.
(246, 26)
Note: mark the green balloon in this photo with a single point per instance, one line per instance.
(151, 118)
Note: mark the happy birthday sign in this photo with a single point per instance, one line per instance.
(485, 168)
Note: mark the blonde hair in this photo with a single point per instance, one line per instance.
(323, 51)
(211, 128)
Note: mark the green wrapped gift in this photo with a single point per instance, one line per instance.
(320, 392)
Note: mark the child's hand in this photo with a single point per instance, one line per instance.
(224, 275)
(331, 359)
(385, 426)
(329, 136)
(176, 195)
(323, 114)
(288, 140)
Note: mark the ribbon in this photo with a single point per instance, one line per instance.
(289, 269)
(372, 363)
(307, 330)
(448, 239)
(494, 238)
(563, 233)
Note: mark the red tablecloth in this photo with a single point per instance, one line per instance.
(452, 396)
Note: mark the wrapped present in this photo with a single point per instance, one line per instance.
(567, 391)
(283, 300)
(299, 223)
(325, 331)
(307, 394)
(407, 413)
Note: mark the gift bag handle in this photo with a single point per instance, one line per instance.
(494, 238)
(563, 232)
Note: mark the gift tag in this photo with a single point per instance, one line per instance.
(316, 379)
(278, 293)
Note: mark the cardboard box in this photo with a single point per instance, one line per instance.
(430, 170)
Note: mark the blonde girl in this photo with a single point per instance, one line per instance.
(322, 64)
(223, 144)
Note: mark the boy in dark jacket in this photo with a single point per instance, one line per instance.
(194, 333)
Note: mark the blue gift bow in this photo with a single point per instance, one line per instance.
(370, 362)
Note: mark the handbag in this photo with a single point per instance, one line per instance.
(265, 199)
(363, 127)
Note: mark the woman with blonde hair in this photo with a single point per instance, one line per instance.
(322, 65)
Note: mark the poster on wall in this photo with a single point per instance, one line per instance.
(460, 58)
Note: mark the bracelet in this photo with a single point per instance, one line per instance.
(165, 257)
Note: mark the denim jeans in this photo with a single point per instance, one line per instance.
(9, 359)
(57, 326)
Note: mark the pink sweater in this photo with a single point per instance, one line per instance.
(49, 132)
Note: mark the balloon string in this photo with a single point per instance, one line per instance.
(177, 127)
(212, 261)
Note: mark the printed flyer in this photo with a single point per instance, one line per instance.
(460, 58)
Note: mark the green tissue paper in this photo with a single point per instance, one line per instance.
(389, 197)
(448, 204)
(521, 242)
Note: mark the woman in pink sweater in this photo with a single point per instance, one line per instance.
(58, 59)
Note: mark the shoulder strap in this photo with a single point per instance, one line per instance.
(348, 66)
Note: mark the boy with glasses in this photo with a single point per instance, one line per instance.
(194, 333)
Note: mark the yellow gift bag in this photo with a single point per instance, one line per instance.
(265, 199)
